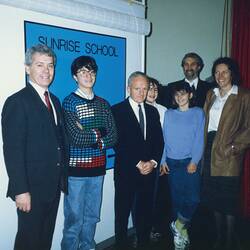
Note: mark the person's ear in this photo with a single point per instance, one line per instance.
(128, 89)
(75, 78)
(27, 69)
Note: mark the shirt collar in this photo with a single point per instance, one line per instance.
(135, 104)
(194, 82)
(38, 88)
(233, 90)
(84, 95)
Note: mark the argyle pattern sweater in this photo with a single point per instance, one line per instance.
(91, 130)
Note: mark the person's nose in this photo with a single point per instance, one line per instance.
(46, 69)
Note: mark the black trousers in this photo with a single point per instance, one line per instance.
(162, 205)
(136, 192)
(36, 228)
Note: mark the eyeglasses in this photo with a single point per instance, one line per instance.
(84, 72)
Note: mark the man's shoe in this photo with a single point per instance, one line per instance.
(155, 236)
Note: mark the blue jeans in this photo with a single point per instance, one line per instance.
(81, 211)
(184, 188)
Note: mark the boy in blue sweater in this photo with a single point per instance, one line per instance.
(183, 132)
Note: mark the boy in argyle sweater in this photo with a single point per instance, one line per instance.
(91, 129)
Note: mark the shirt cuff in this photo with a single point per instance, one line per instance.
(155, 162)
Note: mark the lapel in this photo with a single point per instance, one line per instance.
(146, 118)
(39, 105)
(57, 108)
(201, 88)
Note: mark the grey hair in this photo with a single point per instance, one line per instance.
(137, 74)
(196, 57)
(41, 49)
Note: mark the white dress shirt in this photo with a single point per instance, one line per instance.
(217, 107)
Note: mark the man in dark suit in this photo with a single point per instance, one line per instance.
(35, 152)
(138, 152)
(192, 65)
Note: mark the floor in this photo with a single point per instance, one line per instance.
(202, 235)
(202, 230)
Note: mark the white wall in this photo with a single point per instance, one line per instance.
(178, 27)
(12, 79)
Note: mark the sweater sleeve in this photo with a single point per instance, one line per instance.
(78, 135)
(198, 143)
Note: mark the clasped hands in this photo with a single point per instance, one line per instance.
(146, 167)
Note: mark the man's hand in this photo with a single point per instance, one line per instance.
(23, 202)
(191, 168)
(146, 167)
(164, 169)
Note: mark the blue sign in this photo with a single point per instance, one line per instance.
(108, 51)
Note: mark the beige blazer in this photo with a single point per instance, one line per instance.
(233, 134)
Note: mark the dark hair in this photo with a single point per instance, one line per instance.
(179, 87)
(137, 74)
(232, 66)
(155, 82)
(83, 61)
(41, 49)
(197, 58)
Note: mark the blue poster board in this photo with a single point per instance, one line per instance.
(108, 51)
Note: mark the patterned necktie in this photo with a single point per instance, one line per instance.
(141, 119)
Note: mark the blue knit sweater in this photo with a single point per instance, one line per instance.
(86, 121)
(184, 134)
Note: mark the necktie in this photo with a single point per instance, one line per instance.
(46, 95)
(141, 119)
(193, 88)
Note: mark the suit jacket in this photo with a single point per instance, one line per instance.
(233, 130)
(131, 146)
(34, 158)
(199, 95)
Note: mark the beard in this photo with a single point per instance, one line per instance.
(190, 74)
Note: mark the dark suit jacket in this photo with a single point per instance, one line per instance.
(199, 95)
(34, 159)
(131, 146)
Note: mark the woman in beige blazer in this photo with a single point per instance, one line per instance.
(227, 135)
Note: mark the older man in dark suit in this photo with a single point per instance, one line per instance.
(35, 152)
(138, 152)
(192, 65)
